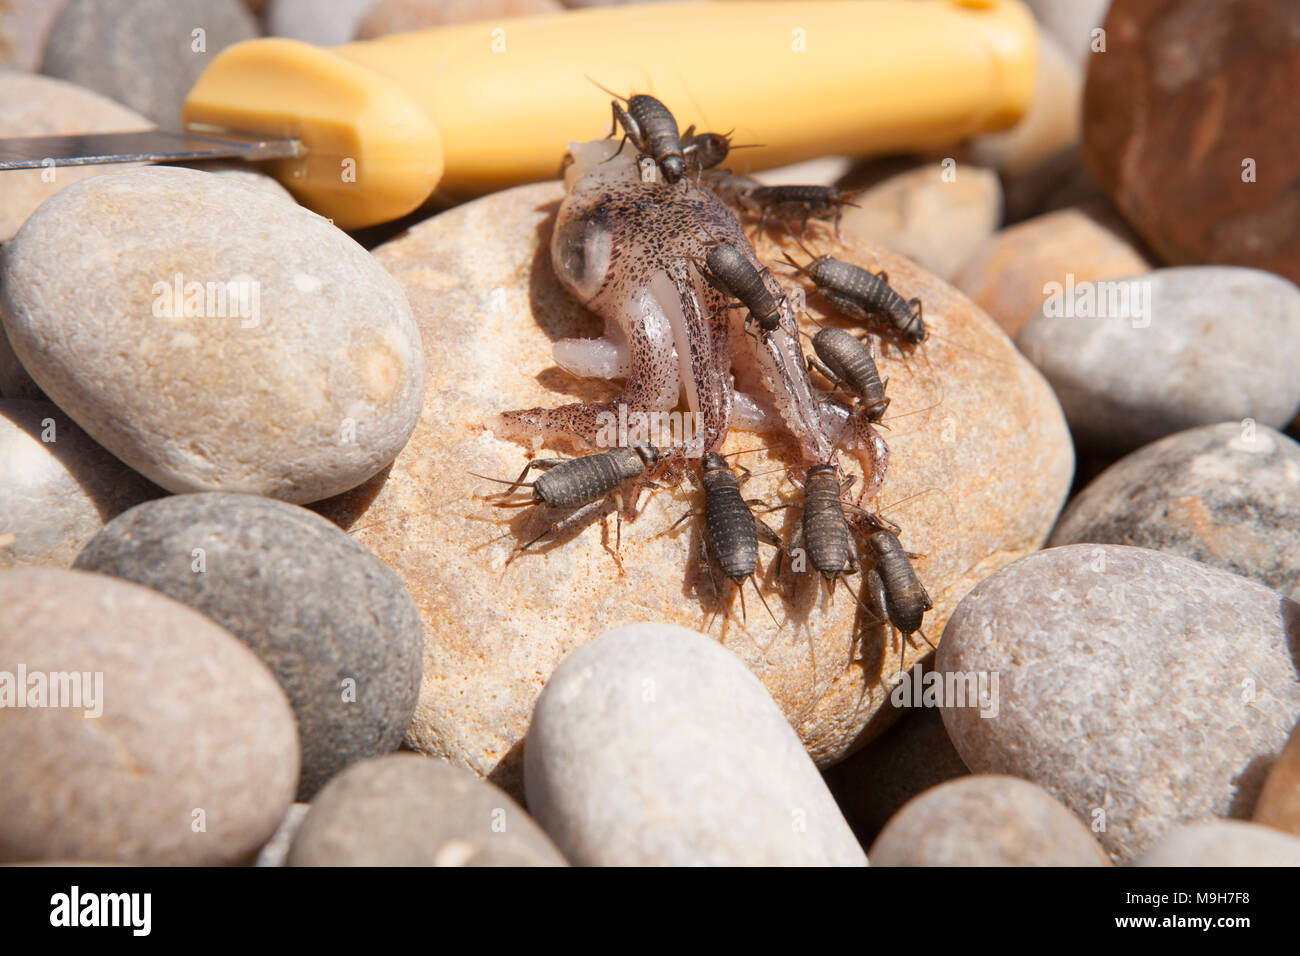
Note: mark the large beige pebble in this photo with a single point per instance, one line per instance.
(184, 752)
(44, 106)
(986, 820)
(1008, 273)
(981, 465)
(1141, 689)
(937, 215)
(305, 387)
(57, 486)
(1223, 843)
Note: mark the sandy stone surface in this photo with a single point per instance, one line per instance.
(980, 465)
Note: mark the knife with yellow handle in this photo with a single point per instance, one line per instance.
(366, 132)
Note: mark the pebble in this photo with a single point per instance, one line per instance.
(322, 22)
(1071, 23)
(986, 821)
(144, 53)
(936, 215)
(1226, 495)
(1202, 345)
(1279, 802)
(984, 473)
(1007, 275)
(276, 850)
(192, 756)
(911, 757)
(1140, 689)
(405, 16)
(41, 106)
(653, 746)
(1223, 843)
(24, 27)
(1189, 124)
(333, 623)
(306, 387)
(57, 487)
(408, 810)
(1052, 122)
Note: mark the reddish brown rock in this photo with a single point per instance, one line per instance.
(1190, 124)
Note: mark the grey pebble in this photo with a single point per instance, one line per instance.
(333, 623)
(57, 486)
(323, 22)
(1223, 843)
(410, 810)
(653, 745)
(173, 745)
(144, 54)
(276, 851)
(1226, 495)
(1211, 344)
(986, 821)
(1141, 689)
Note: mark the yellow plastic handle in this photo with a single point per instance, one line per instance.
(479, 107)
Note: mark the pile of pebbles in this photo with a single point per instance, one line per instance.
(252, 611)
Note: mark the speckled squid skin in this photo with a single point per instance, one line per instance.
(629, 250)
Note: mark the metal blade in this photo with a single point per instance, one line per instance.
(149, 146)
